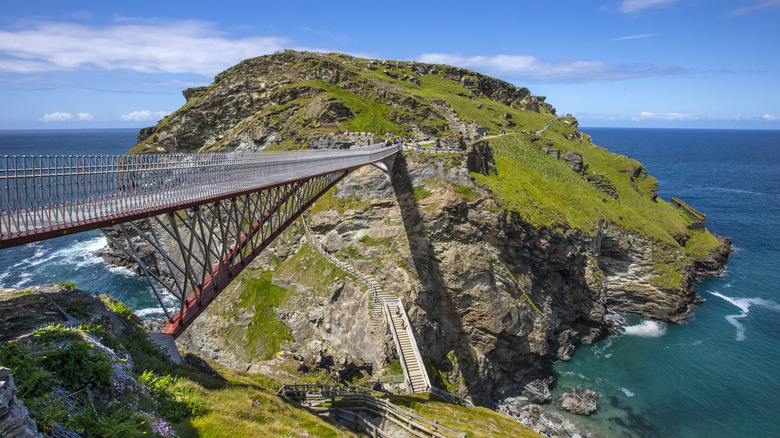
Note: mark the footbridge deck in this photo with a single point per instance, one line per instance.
(206, 215)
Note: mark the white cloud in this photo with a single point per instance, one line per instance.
(67, 117)
(144, 116)
(631, 6)
(765, 4)
(533, 69)
(57, 117)
(634, 37)
(644, 115)
(169, 47)
(770, 117)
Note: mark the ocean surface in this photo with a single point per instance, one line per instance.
(717, 375)
(73, 258)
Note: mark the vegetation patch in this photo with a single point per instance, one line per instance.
(475, 422)
(265, 333)
(420, 192)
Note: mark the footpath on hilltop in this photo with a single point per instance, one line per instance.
(507, 251)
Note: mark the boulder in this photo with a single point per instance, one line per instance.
(579, 402)
(574, 160)
(538, 390)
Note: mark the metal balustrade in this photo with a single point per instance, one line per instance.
(207, 216)
(45, 196)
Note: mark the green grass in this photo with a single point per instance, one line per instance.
(548, 194)
(420, 193)
(468, 193)
(474, 422)
(317, 275)
(376, 241)
(369, 115)
(491, 115)
(330, 201)
(266, 333)
(700, 244)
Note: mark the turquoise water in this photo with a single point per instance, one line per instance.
(718, 374)
(714, 376)
(73, 258)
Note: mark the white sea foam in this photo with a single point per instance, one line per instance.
(40, 256)
(744, 305)
(24, 280)
(85, 247)
(148, 311)
(602, 346)
(646, 329)
(122, 271)
(625, 391)
(571, 373)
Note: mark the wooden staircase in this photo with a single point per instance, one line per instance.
(406, 346)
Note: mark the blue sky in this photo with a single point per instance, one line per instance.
(623, 63)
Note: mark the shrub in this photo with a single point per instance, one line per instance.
(175, 401)
(79, 365)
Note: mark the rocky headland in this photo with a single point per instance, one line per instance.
(507, 254)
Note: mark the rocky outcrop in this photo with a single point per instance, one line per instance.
(293, 97)
(15, 420)
(492, 298)
(480, 158)
(699, 218)
(579, 402)
(574, 160)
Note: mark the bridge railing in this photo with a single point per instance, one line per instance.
(40, 193)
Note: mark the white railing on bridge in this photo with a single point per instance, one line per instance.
(39, 193)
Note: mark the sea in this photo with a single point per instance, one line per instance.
(716, 375)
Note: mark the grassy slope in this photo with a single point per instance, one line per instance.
(163, 399)
(547, 193)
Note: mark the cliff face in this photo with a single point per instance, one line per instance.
(507, 255)
(491, 297)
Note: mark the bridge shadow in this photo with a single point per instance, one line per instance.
(441, 329)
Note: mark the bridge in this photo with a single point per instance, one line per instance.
(220, 210)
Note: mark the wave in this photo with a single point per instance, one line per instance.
(625, 391)
(150, 311)
(573, 374)
(646, 329)
(121, 271)
(732, 190)
(744, 304)
(82, 253)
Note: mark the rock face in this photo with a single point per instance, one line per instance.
(480, 158)
(493, 296)
(579, 402)
(490, 296)
(15, 420)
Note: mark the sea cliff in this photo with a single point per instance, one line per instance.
(507, 254)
